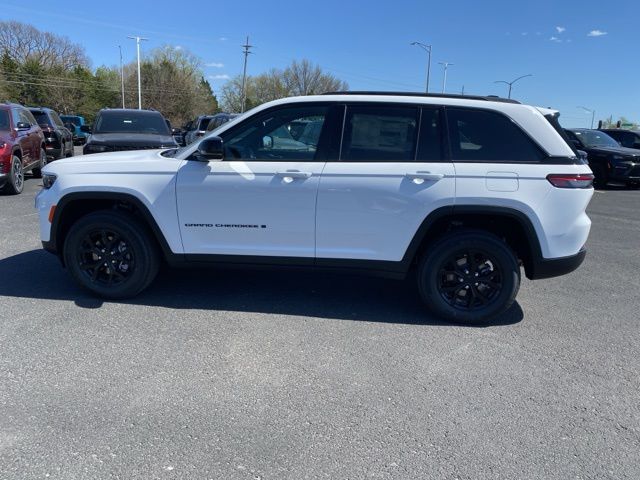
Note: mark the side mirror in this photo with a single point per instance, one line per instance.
(23, 126)
(85, 129)
(267, 142)
(582, 155)
(576, 144)
(210, 148)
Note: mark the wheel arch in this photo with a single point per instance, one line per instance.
(75, 205)
(512, 225)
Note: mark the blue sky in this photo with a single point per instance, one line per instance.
(579, 52)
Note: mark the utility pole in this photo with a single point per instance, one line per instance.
(246, 52)
(426, 48)
(462, 93)
(138, 40)
(512, 82)
(121, 75)
(444, 78)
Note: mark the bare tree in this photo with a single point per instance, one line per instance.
(304, 78)
(22, 43)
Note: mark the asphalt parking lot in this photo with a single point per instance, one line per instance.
(278, 375)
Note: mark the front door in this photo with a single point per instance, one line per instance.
(392, 172)
(260, 200)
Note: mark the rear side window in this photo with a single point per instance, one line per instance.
(482, 136)
(4, 120)
(380, 134)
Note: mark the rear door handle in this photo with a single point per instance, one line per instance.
(291, 174)
(434, 177)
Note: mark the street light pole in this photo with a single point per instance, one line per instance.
(121, 75)
(138, 40)
(426, 48)
(592, 112)
(513, 81)
(444, 78)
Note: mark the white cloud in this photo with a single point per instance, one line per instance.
(223, 76)
(524, 34)
(596, 33)
(223, 39)
(555, 39)
(178, 47)
(214, 64)
(560, 29)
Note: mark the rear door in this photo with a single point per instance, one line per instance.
(390, 173)
(261, 199)
(24, 137)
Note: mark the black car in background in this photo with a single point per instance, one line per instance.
(626, 138)
(219, 119)
(607, 159)
(58, 138)
(127, 129)
(196, 128)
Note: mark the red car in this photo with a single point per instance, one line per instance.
(21, 147)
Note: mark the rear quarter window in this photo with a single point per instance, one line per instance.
(484, 136)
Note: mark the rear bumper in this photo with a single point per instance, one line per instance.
(555, 267)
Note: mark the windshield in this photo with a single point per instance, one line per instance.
(594, 138)
(41, 117)
(4, 120)
(131, 122)
(71, 119)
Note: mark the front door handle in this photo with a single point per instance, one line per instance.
(289, 175)
(433, 177)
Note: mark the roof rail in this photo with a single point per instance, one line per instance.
(486, 98)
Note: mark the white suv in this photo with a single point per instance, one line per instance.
(461, 191)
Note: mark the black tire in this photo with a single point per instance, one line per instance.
(468, 277)
(63, 148)
(15, 183)
(117, 239)
(37, 172)
(600, 177)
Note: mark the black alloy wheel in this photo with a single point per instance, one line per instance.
(105, 257)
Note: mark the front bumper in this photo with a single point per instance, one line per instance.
(555, 267)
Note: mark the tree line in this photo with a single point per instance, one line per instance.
(45, 69)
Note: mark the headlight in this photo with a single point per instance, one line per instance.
(48, 179)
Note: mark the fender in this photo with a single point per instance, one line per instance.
(150, 221)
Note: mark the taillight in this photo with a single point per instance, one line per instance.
(571, 180)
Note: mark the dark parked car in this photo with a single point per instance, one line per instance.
(626, 138)
(196, 128)
(58, 138)
(124, 129)
(79, 137)
(607, 159)
(21, 147)
(219, 119)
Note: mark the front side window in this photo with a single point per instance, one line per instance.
(270, 138)
(380, 134)
(482, 136)
(26, 117)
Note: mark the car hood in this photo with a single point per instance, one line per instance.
(139, 161)
(131, 139)
(627, 152)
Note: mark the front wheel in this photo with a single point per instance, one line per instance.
(468, 277)
(111, 254)
(15, 185)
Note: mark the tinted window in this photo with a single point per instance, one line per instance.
(269, 137)
(626, 139)
(71, 119)
(56, 119)
(41, 117)
(380, 134)
(204, 123)
(26, 117)
(4, 120)
(481, 136)
(130, 122)
(430, 142)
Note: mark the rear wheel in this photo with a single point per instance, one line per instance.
(111, 254)
(37, 172)
(15, 185)
(469, 277)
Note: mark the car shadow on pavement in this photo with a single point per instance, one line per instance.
(38, 275)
